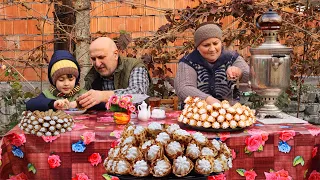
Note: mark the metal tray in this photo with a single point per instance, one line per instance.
(210, 129)
(191, 175)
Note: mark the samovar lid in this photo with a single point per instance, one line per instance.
(270, 23)
(270, 20)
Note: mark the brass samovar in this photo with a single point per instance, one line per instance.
(270, 65)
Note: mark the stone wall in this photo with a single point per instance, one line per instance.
(309, 108)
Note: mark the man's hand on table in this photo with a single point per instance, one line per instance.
(93, 97)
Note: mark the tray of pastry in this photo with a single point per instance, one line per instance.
(166, 151)
(216, 117)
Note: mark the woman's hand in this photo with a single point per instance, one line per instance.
(211, 100)
(233, 73)
(61, 104)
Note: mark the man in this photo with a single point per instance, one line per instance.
(112, 74)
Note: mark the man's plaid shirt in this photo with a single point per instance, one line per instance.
(138, 83)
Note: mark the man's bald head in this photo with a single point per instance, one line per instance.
(105, 43)
(104, 55)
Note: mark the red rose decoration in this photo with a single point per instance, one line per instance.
(217, 177)
(253, 143)
(224, 136)
(95, 159)
(250, 175)
(234, 154)
(17, 139)
(286, 135)
(50, 138)
(314, 152)
(54, 161)
(20, 176)
(314, 175)
(81, 176)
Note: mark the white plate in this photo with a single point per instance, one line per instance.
(158, 117)
(75, 112)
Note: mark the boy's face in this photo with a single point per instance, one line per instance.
(66, 83)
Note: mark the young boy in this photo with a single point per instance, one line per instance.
(64, 76)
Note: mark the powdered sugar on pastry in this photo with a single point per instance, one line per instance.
(216, 144)
(174, 147)
(132, 153)
(172, 128)
(193, 150)
(116, 152)
(152, 152)
(110, 153)
(146, 144)
(138, 130)
(207, 152)
(182, 132)
(141, 167)
(199, 137)
(204, 165)
(163, 138)
(217, 167)
(155, 126)
(182, 165)
(161, 167)
(122, 167)
(129, 140)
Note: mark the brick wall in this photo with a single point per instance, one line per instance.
(21, 25)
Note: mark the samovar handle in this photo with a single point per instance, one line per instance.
(277, 60)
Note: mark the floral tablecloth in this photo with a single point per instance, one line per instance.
(260, 151)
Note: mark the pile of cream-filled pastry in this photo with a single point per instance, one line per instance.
(46, 123)
(161, 149)
(222, 115)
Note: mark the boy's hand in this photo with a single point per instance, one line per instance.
(61, 104)
(73, 105)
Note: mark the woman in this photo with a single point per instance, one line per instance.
(210, 70)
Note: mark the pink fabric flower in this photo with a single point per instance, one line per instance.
(88, 137)
(81, 176)
(250, 175)
(286, 135)
(132, 108)
(270, 176)
(113, 99)
(253, 143)
(314, 131)
(17, 139)
(95, 159)
(314, 152)
(116, 133)
(314, 175)
(127, 99)
(224, 136)
(78, 126)
(264, 134)
(123, 104)
(234, 155)
(54, 161)
(50, 138)
(20, 176)
(217, 177)
(279, 175)
(284, 175)
(108, 105)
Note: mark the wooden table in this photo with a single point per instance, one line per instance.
(37, 151)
